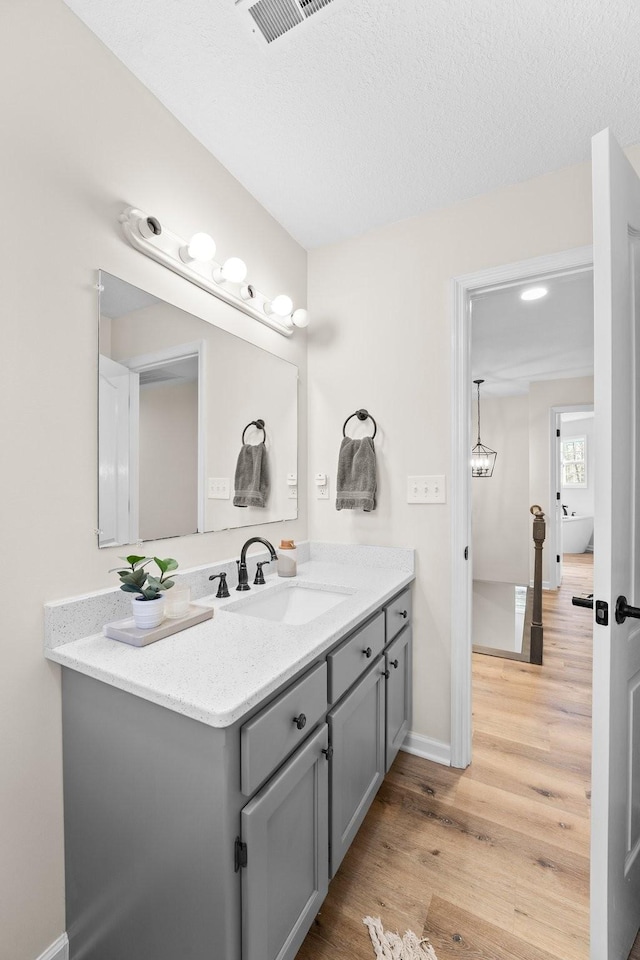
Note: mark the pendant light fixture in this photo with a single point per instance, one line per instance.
(483, 458)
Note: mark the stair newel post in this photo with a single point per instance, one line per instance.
(539, 532)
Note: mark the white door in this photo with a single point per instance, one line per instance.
(117, 456)
(615, 819)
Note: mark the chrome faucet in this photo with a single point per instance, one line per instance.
(243, 578)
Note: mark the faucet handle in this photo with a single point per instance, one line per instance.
(223, 589)
(259, 571)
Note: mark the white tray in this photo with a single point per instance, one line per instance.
(127, 632)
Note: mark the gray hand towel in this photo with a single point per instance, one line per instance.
(252, 476)
(356, 484)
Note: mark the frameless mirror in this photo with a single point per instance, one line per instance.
(178, 398)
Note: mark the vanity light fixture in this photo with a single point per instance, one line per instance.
(534, 293)
(194, 261)
(483, 459)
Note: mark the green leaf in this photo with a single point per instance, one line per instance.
(130, 588)
(134, 559)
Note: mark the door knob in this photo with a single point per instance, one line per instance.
(394, 664)
(300, 721)
(624, 610)
(368, 652)
(586, 601)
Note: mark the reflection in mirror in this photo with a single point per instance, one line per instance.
(175, 396)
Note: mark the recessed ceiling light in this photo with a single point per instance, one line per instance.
(534, 293)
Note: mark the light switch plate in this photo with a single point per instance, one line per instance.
(218, 488)
(426, 490)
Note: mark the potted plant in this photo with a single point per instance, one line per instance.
(148, 604)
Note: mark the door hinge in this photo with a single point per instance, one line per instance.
(602, 613)
(557, 558)
(239, 854)
(557, 496)
(557, 433)
(466, 553)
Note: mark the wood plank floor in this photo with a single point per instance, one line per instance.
(489, 863)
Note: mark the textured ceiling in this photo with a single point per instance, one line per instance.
(376, 110)
(514, 343)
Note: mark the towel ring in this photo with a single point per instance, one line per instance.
(361, 415)
(260, 425)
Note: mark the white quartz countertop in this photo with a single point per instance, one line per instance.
(217, 671)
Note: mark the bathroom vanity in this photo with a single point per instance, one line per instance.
(211, 830)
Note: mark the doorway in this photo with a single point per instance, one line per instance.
(468, 293)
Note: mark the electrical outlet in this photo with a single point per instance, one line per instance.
(218, 488)
(322, 486)
(292, 486)
(426, 490)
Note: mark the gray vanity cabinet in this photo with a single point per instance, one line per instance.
(185, 840)
(286, 830)
(357, 731)
(398, 693)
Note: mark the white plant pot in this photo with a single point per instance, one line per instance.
(147, 613)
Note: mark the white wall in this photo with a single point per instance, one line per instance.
(168, 459)
(500, 504)
(81, 139)
(381, 338)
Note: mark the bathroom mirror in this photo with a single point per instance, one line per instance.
(176, 395)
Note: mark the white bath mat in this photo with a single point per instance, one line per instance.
(390, 946)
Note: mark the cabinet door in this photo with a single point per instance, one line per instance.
(285, 828)
(398, 662)
(356, 727)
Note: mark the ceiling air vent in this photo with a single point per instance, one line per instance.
(273, 18)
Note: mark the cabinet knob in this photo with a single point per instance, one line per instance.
(386, 673)
(403, 614)
(328, 752)
(300, 721)
(394, 664)
(368, 652)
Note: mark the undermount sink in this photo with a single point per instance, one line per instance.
(290, 604)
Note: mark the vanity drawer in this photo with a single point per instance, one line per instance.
(398, 614)
(269, 737)
(354, 656)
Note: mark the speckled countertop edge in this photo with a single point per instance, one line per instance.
(217, 671)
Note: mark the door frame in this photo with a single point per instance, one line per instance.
(554, 523)
(183, 351)
(463, 288)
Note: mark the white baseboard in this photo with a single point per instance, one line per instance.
(58, 950)
(428, 748)
(546, 585)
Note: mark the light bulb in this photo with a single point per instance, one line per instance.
(282, 305)
(201, 247)
(233, 269)
(534, 293)
(300, 318)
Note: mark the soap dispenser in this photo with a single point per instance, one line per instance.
(287, 559)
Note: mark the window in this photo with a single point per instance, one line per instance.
(574, 462)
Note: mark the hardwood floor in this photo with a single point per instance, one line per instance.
(489, 863)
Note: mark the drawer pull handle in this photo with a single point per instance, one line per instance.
(300, 721)
(368, 652)
(386, 673)
(328, 752)
(394, 664)
(403, 614)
